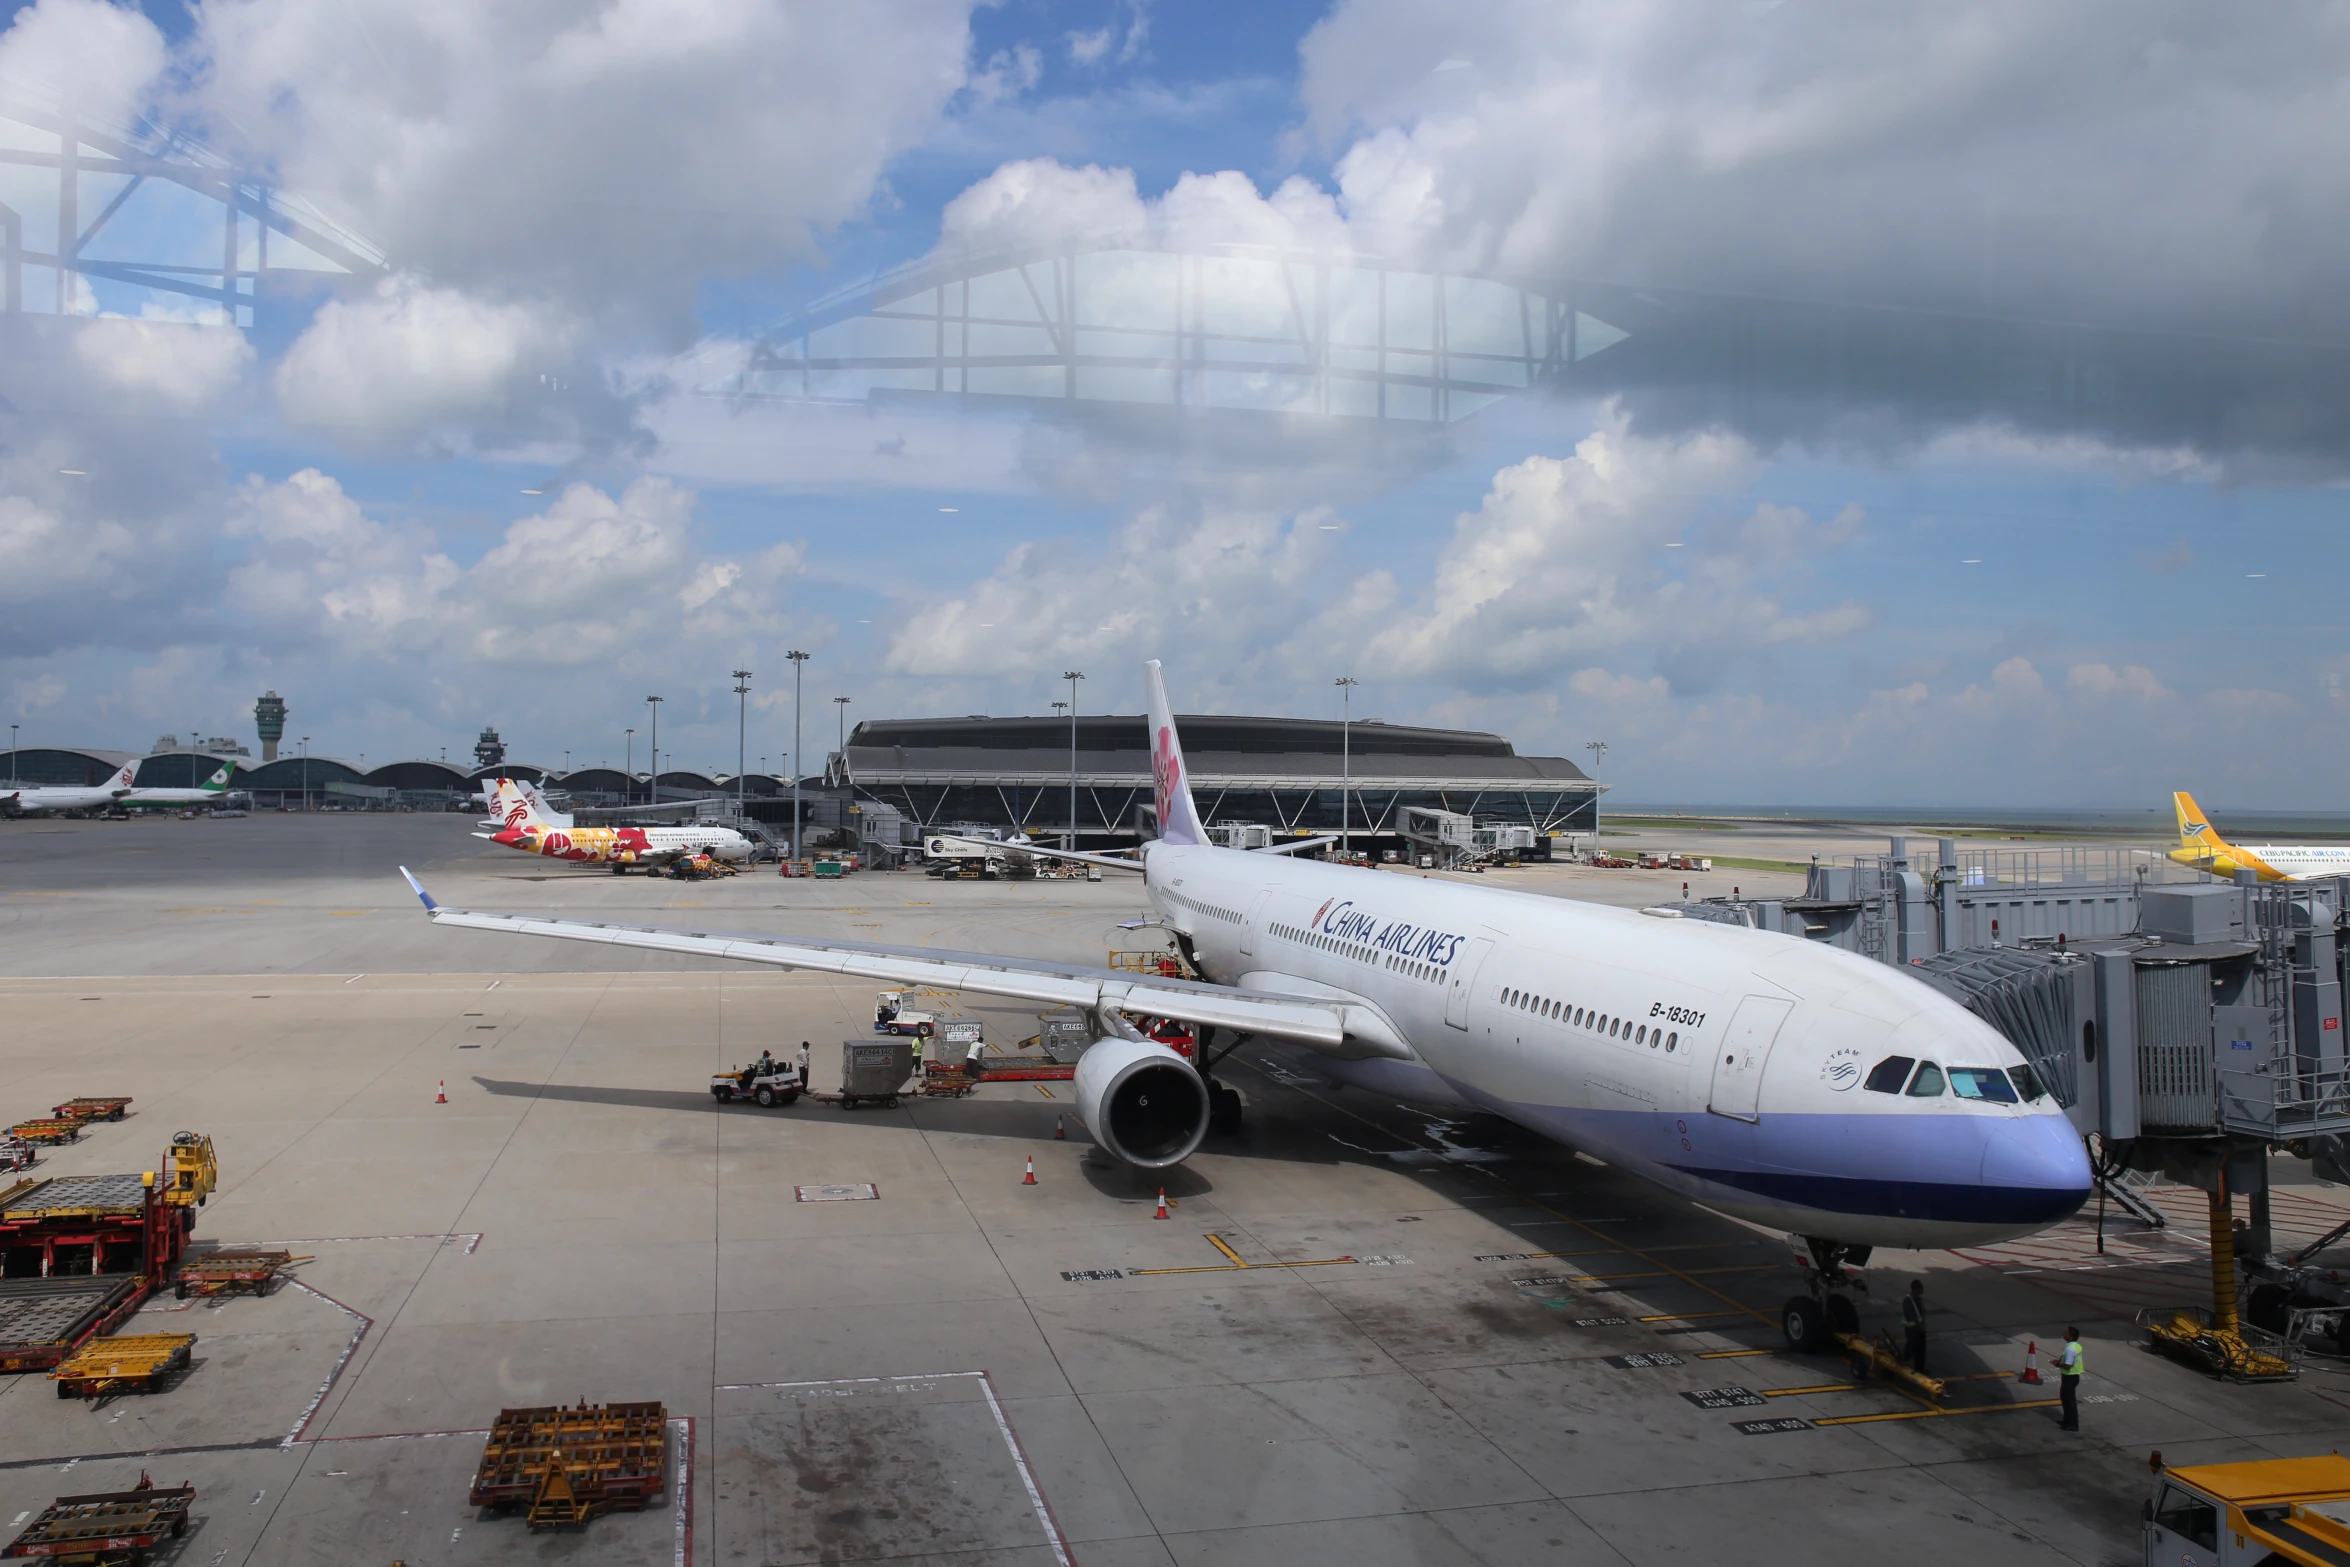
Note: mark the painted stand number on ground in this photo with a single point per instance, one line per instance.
(1769, 1427)
(1726, 1398)
(1655, 1357)
(1601, 1322)
(1091, 1276)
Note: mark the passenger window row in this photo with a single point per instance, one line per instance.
(1427, 973)
(1557, 1011)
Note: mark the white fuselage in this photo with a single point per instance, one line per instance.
(2302, 861)
(1724, 1063)
(37, 800)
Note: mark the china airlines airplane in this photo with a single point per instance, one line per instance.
(59, 798)
(530, 827)
(1789, 1083)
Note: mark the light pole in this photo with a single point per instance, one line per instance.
(842, 746)
(628, 769)
(797, 660)
(12, 753)
(653, 748)
(566, 764)
(1598, 750)
(742, 719)
(1346, 765)
(305, 774)
(1073, 676)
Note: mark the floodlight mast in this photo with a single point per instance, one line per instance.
(1346, 692)
(653, 749)
(1072, 676)
(798, 659)
(742, 692)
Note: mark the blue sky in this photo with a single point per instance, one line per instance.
(1976, 440)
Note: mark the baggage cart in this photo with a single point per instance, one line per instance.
(47, 1131)
(226, 1272)
(133, 1363)
(874, 1071)
(106, 1528)
(565, 1465)
(94, 1107)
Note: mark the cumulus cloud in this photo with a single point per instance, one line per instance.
(185, 368)
(100, 60)
(593, 577)
(1564, 562)
(613, 157)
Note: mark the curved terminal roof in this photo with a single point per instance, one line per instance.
(1241, 327)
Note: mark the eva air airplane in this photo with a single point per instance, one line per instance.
(210, 792)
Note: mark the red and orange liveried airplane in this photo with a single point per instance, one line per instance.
(527, 825)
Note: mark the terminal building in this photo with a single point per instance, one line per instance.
(1290, 775)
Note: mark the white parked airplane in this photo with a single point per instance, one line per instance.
(210, 792)
(1786, 1082)
(59, 798)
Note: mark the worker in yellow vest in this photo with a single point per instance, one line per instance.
(2070, 1363)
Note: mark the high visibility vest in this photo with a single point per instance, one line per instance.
(2071, 1361)
(1913, 1312)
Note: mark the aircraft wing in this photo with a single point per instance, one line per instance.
(1307, 1021)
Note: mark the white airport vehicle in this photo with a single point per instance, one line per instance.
(212, 791)
(974, 851)
(530, 827)
(891, 1015)
(1786, 1082)
(31, 801)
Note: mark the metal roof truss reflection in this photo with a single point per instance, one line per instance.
(1250, 328)
(120, 212)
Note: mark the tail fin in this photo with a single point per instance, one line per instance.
(516, 809)
(1178, 817)
(124, 778)
(2195, 829)
(544, 814)
(218, 782)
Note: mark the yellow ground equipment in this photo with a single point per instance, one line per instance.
(2290, 1511)
(135, 1362)
(567, 1464)
(48, 1130)
(1876, 1358)
(190, 1171)
(226, 1272)
(94, 1107)
(2215, 1341)
(107, 1529)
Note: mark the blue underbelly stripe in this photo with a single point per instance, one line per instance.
(1926, 1200)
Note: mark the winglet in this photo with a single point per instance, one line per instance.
(418, 888)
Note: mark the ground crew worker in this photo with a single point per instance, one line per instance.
(803, 1066)
(1913, 1325)
(766, 1066)
(2069, 1364)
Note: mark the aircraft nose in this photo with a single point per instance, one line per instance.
(2040, 1160)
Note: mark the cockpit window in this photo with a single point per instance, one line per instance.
(1981, 1082)
(1928, 1083)
(1887, 1076)
(2027, 1083)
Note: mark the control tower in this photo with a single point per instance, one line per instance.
(489, 750)
(269, 714)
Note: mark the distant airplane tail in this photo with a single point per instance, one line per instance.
(2201, 846)
(218, 782)
(123, 779)
(517, 809)
(547, 815)
(1178, 817)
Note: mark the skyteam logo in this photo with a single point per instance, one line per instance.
(1344, 922)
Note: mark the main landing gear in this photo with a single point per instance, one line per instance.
(1813, 1321)
(1225, 1107)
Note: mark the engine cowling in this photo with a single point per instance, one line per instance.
(1143, 1103)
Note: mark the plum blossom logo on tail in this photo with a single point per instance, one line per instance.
(1167, 774)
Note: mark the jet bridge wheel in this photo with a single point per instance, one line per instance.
(1805, 1322)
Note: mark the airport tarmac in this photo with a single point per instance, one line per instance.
(1364, 1332)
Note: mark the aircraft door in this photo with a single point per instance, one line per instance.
(1745, 1051)
(1464, 980)
(1248, 927)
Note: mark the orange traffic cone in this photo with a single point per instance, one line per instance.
(442, 1097)
(1162, 1213)
(1060, 1133)
(2031, 1362)
(1030, 1178)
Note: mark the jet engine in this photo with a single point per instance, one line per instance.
(1143, 1103)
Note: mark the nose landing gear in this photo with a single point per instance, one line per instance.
(1813, 1322)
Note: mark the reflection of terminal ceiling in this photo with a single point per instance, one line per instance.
(1246, 328)
(99, 218)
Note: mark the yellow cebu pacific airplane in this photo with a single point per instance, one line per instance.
(2201, 846)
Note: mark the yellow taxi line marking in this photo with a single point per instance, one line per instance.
(1237, 1265)
(1798, 1392)
(1931, 1414)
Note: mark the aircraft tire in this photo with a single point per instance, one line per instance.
(1843, 1315)
(1804, 1324)
(1225, 1110)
